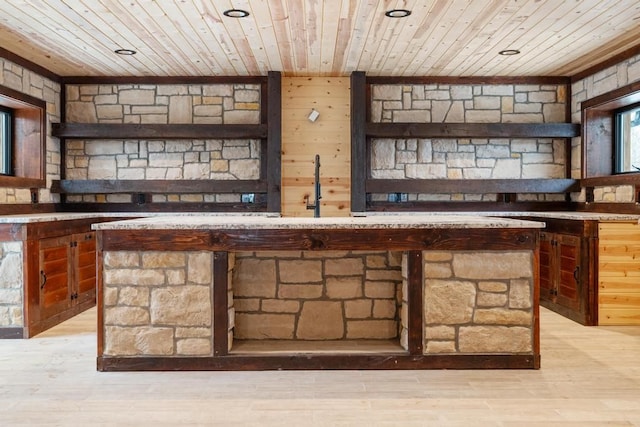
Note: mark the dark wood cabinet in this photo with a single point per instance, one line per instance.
(67, 273)
(58, 271)
(561, 281)
(568, 269)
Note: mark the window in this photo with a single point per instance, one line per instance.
(6, 141)
(22, 140)
(611, 138)
(627, 140)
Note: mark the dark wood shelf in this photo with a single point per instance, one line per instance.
(622, 179)
(98, 186)
(472, 186)
(472, 130)
(157, 131)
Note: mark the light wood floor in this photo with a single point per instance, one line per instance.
(589, 377)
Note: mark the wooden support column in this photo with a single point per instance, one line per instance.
(415, 297)
(220, 303)
(358, 141)
(274, 140)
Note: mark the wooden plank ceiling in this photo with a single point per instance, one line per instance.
(318, 38)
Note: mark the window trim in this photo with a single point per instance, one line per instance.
(617, 138)
(598, 139)
(6, 169)
(29, 140)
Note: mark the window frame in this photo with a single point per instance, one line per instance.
(6, 140)
(28, 151)
(619, 146)
(598, 137)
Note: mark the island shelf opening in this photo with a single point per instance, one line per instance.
(317, 302)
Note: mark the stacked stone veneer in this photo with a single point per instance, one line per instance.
(317, 295)
(25, 81)
(163, 159)
(158, 303)
(611, 78)
(11, 284)
(477, 158)
(478, 302)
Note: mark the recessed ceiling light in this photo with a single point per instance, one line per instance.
(125, 51)
(397, 13)
(236, 13)
(509, 52)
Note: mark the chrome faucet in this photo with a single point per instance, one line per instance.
(316, 205)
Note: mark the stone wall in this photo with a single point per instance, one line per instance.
(22, 80)
(163, 159)
(158, 303)
(478, 302)
(478, 158)
(619, 75)
(305, 295)
(11, 284)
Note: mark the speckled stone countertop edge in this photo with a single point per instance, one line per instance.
(255, 223)
(67, 216)
(596, 216)
(70, 216)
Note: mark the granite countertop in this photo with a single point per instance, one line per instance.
(204, 222)
(595, 216)
(69, 216)
(426, 216)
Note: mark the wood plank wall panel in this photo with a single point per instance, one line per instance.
(328, 136)
(619, 274)
(326, 38)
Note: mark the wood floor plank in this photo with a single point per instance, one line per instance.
(590, 376)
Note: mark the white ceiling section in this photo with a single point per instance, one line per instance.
(318, 38)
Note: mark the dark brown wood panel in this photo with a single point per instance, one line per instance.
(415, 299)
(622, 179)
(274, 141)
(24, 208)
(473, 130)
(316, 361)
(546, 277)
(165, 207)
(55, 275)
(569, 283)
(359, 103)
(220, 303)
(12, 332)
(624, 208)
(448, 206)
(29, 139)
(85, 266)
(40, 230)
(319, 239)
(480, 186)
(160, 186)
(157, 131)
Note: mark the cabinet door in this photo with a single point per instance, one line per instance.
(85, 267)
(547, 267)
(569, 275)
(55, 275)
